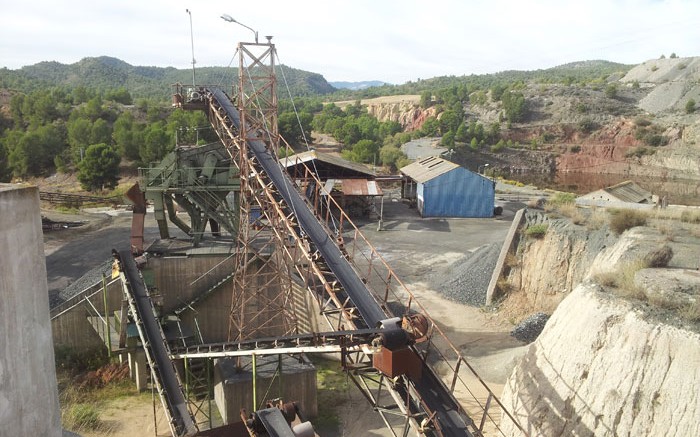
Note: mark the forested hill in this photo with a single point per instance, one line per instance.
(106, 73)
(575, 72)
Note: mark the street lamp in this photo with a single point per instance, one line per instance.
(230, 19)
(478, 170)
(192, 39)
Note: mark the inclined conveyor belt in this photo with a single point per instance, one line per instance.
(154, 345)
(431, 390)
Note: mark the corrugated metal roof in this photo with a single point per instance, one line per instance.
(426, 169)
(353, 187)
(628, 191)
(310, 155)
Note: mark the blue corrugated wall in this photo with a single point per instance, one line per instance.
(458, 193)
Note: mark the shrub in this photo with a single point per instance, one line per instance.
(642, 122)
(655, 140)
(659, 257)
(690, 216)
(537, 231)
(575, 149)
(561, 198)
(587, 125)
(690, 106)
(639, 152)
(623, 219)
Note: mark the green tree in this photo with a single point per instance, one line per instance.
(514, 106)
(474, 144)
(365, 151)
(100, 168)
(448, 140)
(389, 155)
(5, 173)
(100, 132)
(611, 91)
(156, 144)
(123, 136)
(79, 133)
(120, 95)
(431, 127)
(690, 106)
(426, 99)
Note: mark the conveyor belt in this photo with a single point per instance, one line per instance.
(154, 345)
(431, 390)
(370, 310)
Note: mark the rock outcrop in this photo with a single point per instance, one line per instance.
(602, 368)
(404, 110)
(550, 268)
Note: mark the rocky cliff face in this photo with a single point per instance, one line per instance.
(548, 269)
(404, 111)
(602, 368)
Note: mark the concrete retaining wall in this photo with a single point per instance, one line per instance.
(505, 249)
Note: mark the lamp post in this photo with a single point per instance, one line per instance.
(230, 19)
(478, 170)
(192, 40)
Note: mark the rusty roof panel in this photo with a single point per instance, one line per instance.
(360, 187)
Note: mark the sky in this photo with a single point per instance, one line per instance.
(388, 40)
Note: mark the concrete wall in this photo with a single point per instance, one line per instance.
(233, 388)
(177, 279)
(28, 393)
(70, 325)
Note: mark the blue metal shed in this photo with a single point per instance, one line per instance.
(444, 189)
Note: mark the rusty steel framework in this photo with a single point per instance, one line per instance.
(262, 302)
(273, 251)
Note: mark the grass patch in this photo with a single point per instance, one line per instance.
(691, 312)
(624, 219)
(81, 417)
(561, 198)
(537, 231)
(621, 281)
(332, 386)
(690, 216)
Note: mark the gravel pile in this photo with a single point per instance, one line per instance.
(528, 329)
(88, 279)
(468, 279)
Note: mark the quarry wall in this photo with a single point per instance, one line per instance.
(601, 368)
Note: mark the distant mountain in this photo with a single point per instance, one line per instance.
(105, 72)
(358, 85)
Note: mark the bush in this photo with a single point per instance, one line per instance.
(623, 219)
(561, 198)
(575, 149)
(537, 231)
(690, 106)
(642, 122)
(655, 140)
(690, 216)
(587, 125)
(659, 257)
(639, 152)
